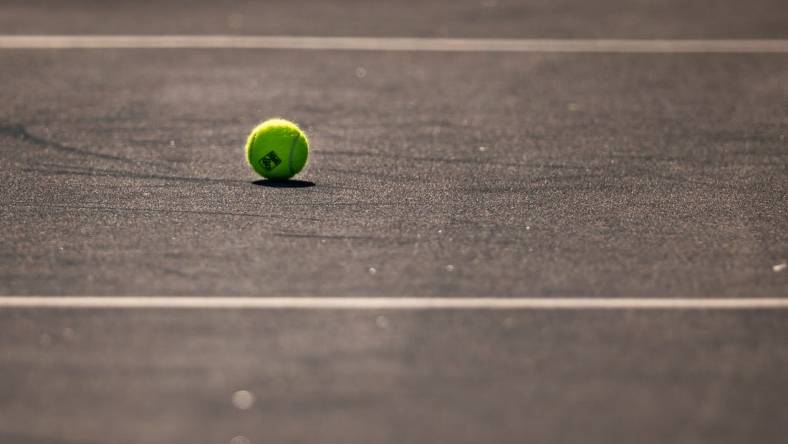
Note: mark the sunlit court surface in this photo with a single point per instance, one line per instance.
(522, 221)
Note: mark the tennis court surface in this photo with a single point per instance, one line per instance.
(521, 221)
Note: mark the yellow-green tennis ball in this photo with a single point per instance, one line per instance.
(277, 149)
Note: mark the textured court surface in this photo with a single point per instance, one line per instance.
(433, 174)
(448, 174)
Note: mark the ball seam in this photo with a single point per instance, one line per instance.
(290, 157)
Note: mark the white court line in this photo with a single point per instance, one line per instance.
(391, 44)
(409, 303)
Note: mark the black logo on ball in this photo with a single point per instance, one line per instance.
(270, 161)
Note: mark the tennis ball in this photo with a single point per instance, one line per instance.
(277, 149)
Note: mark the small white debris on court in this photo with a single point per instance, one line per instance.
(243, 399)
(372, 270)
(235, 21)
(780, 267)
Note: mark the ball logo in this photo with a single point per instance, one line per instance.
(270, 161)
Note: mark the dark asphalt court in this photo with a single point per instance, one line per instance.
(432, 174)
